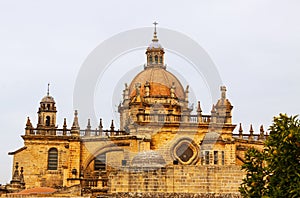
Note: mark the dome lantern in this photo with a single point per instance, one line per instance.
(155, 52)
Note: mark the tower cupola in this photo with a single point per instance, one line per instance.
(47, 112)
(155, 52)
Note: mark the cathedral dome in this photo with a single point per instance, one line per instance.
(149, 159)
(155, 80)
(48, 99)
(160, 82)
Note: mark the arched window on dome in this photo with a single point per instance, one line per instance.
(52, 159)
(150, 59)
(156, 59)
(48, 121)
(160, 60)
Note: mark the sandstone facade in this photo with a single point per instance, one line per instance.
(161, 147)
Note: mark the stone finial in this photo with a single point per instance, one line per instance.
(22, 181)
(89, 124)
(262, 128)
(241, 131)
(186, 93)
(75, 130)
(213, 114)
(28, 128)
(88, 128)
(223, 92)
(100, 127)
(112, 127)
(138, 92)
(126, 92)
(199, 113)
(251, 133)
(75, 122)
(213, 109)
(28, 123)
(100, 124)
(199, 110)
(16, 176)
(65, 127)
(65, 123)
(262, 133)
(251, 129)
(187, 88)
(172, 90)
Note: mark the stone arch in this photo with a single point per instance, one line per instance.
(99, 151)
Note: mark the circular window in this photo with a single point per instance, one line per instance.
(185, 152)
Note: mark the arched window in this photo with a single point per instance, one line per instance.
(160, 60)
(216, 157)
(156, 59)
(48, 121)
(206, 156)
(52, 159)
(223, 158)
(150, 59)
(100, 162)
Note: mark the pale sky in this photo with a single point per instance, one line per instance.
(254, 44)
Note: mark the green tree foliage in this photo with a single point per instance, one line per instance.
(254, 183)
(275, 172)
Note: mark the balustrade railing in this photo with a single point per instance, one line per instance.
(249, 136)
(82, 133)
(170, 118)
(95, 183)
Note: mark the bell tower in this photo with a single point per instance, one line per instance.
(47, 112)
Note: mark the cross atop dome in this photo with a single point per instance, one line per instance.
(155, 39)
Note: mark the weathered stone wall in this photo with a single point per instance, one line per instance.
(177, 178)
(34, 159)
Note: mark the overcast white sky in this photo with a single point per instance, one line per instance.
(255, 45)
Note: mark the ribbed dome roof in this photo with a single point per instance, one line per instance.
(155, 45)
(160, 81)
(48, 99)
